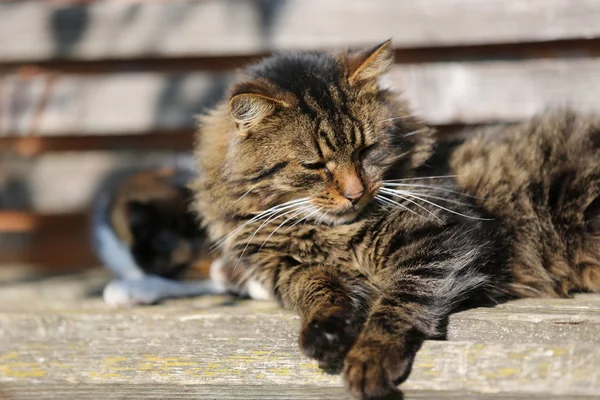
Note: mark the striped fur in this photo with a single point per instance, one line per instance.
(339, 203)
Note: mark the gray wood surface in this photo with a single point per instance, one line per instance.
(442, 93)
(17, 391)
(60, 341)
(32, 30)
(67, 182)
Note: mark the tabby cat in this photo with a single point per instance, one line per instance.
(319, 182)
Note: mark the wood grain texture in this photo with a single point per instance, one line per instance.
(180, 140)
(67, 182)
(56, 334)
(263, 350)
(47, 104)
(32, 31)
(499, 91)
(129, 391)
(442, 93)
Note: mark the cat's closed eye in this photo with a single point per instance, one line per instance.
(364, 152)
(315, 165)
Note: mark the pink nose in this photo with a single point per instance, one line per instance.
(349, 183)
(355, 196)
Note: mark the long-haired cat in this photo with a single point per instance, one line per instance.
(321, 184)
(145, 233)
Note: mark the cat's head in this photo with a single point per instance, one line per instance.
(319, 128)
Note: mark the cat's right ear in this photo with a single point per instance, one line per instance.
(247, 110)
(370, 63)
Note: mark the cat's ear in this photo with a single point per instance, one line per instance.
(248, 109)
(370, 63)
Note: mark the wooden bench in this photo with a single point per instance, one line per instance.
(90, 87)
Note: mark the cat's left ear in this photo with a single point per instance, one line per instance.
(248, 109)
(370, 63)
(253, 102)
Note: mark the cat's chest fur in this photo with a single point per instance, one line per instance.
(308, 244)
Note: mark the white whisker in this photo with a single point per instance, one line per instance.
(397, 118)
(259, 216)
(430, 187)
(247, 192)
(395, 193)
(422, 178)
(287, 203)
(411, 133)
(460, 203)
(271, 218)
(406, 193)
(316, 210)
(388, 201)
(322, 217)
(302, 209)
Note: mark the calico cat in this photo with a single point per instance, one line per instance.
(145, 233)
(320, 183)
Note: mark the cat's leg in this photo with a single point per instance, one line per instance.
(333, 305)
(410, 309)
(150, 289)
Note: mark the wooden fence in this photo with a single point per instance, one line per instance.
(88, 87)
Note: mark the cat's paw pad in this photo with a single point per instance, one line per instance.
(327, 337)
(375, 368)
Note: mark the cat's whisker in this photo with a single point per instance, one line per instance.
(280, 225)
(410, 194)
(247, 192)
(271, 218)
(258, 217)
(388, 201)
(460, 203)
(397, 118)
(422, 178)
(399, 156)
(316, 210)
(395, 193)
(322, 217)
(301, 200)
(390, 184)
(411, 133)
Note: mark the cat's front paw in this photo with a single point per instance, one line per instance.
(329, 334)
(376, 365)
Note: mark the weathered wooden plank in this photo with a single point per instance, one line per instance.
(242, 359)
(53, 333)
(66, 182)
(37, 31)
(117, 103)
(17, 221)
(43, 309)
(499, 91)
(442, 93)
(494, 325)
(122, 391)
(180, 140)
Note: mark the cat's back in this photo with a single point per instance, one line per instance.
(528, 157)
(541, 180)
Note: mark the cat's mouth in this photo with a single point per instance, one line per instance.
(344, 215)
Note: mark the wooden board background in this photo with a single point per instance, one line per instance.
(90, 87)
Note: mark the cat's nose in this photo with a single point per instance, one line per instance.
(355, 196)
(350, 185)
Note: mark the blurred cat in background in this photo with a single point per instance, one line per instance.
(144, 232)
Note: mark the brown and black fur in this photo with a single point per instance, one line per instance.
(372, 278)
(148, 212)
